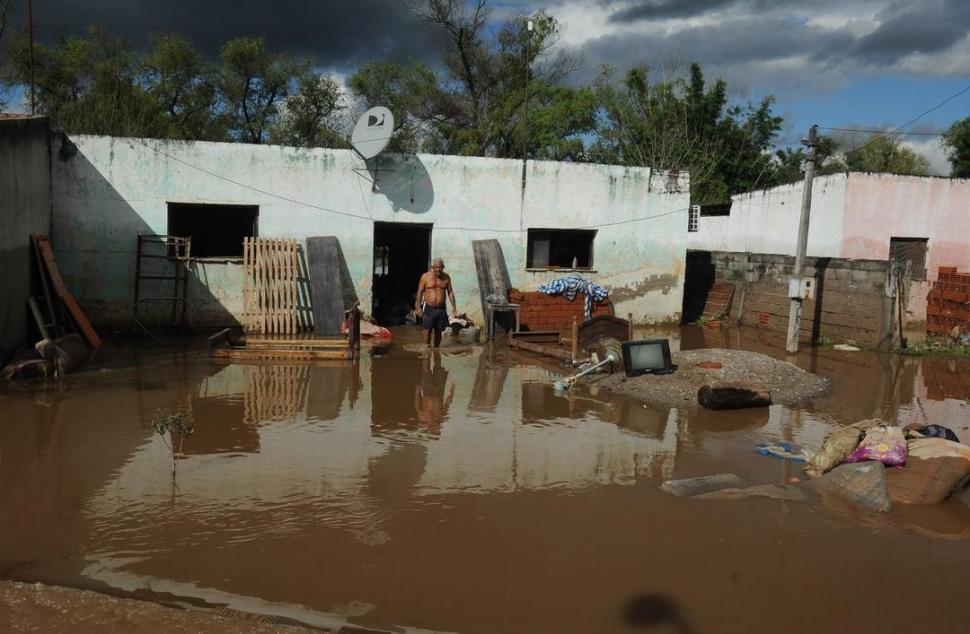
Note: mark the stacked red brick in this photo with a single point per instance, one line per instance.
(553, 312)
(948, 303)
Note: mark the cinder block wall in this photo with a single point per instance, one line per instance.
(850, 296)
(25, 209)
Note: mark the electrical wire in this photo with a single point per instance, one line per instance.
(882, 133)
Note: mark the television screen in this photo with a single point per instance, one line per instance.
(647, 356)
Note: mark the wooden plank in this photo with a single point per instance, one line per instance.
(44, 247)
(538, 336)
(323, 261)
(246, 353)
(493, 276)
(549, 351)
(312, 345)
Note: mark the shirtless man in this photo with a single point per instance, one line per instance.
(432, 288)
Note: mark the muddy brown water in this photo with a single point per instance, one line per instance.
(457, 492)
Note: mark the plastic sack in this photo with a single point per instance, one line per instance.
(837, 447)
(883, 443)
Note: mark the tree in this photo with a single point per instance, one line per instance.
(790, 163)
(682, 124)
(87, 84)
(181, 85)
(309, 118)
(252, 82)
(885, 153)
(412, 93)
(475, 105)
(957, 140)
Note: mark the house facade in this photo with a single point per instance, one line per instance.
(624, 228)
(857, 216)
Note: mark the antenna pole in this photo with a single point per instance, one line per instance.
(30, 52)
(525, 102)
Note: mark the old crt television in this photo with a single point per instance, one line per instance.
(647, 356)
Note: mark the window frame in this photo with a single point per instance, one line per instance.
(535, 233)
(177, 207)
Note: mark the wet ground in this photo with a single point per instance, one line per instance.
(455, 491)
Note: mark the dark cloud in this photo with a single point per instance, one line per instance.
(925, 27)
(649, 9)
(335, 33)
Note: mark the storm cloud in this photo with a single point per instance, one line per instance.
(334, 33)
(773, 45)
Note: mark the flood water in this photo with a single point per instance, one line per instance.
(456, 492)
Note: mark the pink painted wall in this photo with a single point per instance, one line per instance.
(883, 206)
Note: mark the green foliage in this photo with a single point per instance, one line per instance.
(173, 429)
(410, 91)
(957, 140)
(790, 164)
(180, 83)
(684, 124)
(885, 153)
(95, 84)
(87, 84)
(477, 105)
(309, 118)
(252, 82)
(937, 347)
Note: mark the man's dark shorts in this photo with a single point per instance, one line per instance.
(435, 319)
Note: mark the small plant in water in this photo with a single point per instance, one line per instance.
(173, 429)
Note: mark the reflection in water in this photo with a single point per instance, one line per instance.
(310, 487)
(430, 403)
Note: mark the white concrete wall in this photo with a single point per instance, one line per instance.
(766, 221)
(885, 206)
(114, 188)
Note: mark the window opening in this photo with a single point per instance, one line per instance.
(693, 218)
(217, 231)
(909, 252)
(560, 248)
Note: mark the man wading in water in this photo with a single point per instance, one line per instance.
(431, 292)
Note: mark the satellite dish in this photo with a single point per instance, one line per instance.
(373, 132)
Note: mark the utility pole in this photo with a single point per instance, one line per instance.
(525, 103)
(795, 282)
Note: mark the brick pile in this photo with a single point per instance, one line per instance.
(948, 303)
(553, 312)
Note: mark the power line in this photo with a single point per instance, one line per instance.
(822, 127)
(882, 133)
(370, 218)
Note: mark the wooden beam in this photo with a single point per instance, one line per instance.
(249, 353)
(43, 246)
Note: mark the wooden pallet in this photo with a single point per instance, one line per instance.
(271, 286)
(228, 345)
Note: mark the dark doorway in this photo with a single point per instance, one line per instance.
(402, 253)
(697, 284)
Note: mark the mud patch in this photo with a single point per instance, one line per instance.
(788, 383)
(662, 283)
